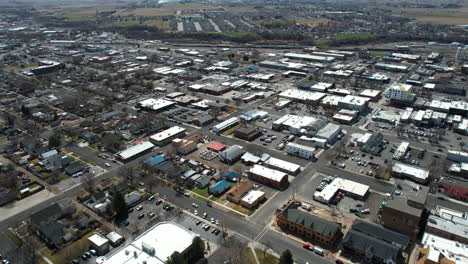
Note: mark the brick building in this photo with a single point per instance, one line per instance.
(309, 227)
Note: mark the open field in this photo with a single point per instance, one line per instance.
(164, 11)
(449, 16)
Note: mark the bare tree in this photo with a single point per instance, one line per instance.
(128, 172)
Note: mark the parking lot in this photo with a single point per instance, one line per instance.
(359, 162)
(213, 233)
(147, 213)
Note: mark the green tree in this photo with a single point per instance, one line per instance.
(198, 247)
(119, 206)
(286, 257)
(55, 141)
(176, 258)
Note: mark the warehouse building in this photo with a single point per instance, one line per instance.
(156, 105)
(352, 102)
(302, 151)
(135, 151)
(248, 133)
(410, 172)
(307, 57)
(231, 154)
(457, 156)
(350, 188)
(165, 137)
(330, 133)
(155, 245)
(225, 125)
(270, 177)
(282, 165)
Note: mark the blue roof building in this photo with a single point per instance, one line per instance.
(230, 176)
(49, 154)
(219, 187)
(153, 161)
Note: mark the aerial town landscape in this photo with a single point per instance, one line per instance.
(233, 132)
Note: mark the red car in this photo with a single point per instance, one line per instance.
(158, 202)
(307, 246)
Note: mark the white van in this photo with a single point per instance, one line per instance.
(318, 251)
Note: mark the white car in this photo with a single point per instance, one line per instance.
(195, 205)
(107, 164)
(139, 207)
(205, 215)
(195, 212)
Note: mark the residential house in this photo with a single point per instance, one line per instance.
(219, 187)
(240, 190)
(54, 233)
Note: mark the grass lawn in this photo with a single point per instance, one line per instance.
(377, 54)
(322, 42)
(354, 35)
(203, 192)
(248, 257)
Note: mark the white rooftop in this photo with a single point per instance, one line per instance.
(135, 149)
(452, 250)
(282, 164)
(98, 239)
(252, 196)
(163, 135)
(411, 171)
(164, 238)
(267, 173)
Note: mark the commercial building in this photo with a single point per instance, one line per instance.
(302, 151)
(226, 124)
(252, 199)
(302, 96)
(352, 189)
(307, 57)
(437, 249)
(231, 154)
(165, 137)
(400, 92)
(135, 151)
(298, 124)
(309, 227)
(453, 228)
(274, 178)
(156, 105)
(99, 243)
(282, 165)
(457, 156)
(398, 214)
(410, 172)
(248, 133)
(184, 146)
(401, 151)
(155, 245)
(373, 243)
(330, 133)
(352, 102)
(373, 95)
(391, 67)
(254, 114)
(216, 146)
